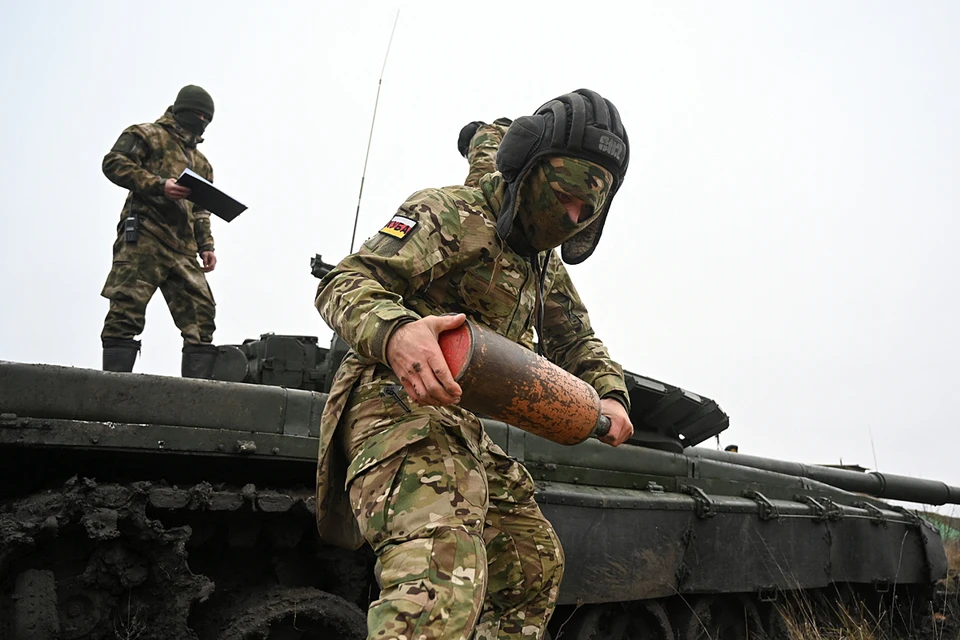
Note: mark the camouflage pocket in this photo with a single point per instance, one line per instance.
(373, 491)
(384, 439)
(122, 278)
(428, 483)
(486, 298)
(508, 480)
(403, 564)
(421, 579)
(374, 408)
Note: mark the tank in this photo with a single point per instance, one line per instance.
(143, 506)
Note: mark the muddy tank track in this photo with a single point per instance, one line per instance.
(829, 613)
(146, 560)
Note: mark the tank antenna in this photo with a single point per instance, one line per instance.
(363, 176)
(876, 466)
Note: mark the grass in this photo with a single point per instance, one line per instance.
(949, 617)
(130, 627)
(953, 559)
(849, 619)
(805, 620)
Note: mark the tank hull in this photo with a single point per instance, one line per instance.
(180, 499)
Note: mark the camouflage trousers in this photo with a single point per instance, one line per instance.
(139, 269)
(463, 550)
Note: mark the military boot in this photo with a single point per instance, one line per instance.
(198, 360)
(119, 354)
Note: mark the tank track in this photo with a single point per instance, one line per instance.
(828, 613)
(146, 560)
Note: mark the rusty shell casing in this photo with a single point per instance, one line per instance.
(502, 380)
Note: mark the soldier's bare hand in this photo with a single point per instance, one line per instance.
(173, 190)
(209, 261)
(621, 428)
(415, 357)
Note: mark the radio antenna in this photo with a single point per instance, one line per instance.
(363, 176)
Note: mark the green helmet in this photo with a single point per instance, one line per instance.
(195, 98)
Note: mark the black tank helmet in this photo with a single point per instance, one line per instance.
(581, 124)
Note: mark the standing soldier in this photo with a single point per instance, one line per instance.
(461, 545)
(159, 236)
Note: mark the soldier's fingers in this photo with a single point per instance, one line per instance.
(433, 393)
(443, 375)
(622, 435)
(620, 430)
(611, 440)
(424, 384)
(411, 388)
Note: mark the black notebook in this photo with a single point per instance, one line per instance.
(204, 194)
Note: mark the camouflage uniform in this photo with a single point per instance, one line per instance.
(171, 234)
(462, 547)
(482, 150)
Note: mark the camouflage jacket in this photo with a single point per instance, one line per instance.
(142, 160)
(441, 254)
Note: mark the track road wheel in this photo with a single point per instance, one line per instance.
(301, 613)
(719, 618)
(640, 621)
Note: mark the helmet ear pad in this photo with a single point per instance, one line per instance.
(520, 141)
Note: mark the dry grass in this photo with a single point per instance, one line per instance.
(953, 558)
(821, 620)
(803, 622)
(131, 626)
(947, 615)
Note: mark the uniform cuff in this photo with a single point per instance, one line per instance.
(619, 397)
(613, 386)
(384, 333)
(156, 189)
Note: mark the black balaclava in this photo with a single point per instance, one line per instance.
(191, 99)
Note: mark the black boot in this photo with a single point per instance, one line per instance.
(119, 354)
(198, 360)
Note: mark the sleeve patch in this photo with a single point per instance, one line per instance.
(399, 226)
(127, 143)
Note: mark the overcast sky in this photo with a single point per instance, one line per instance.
(785, 240)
